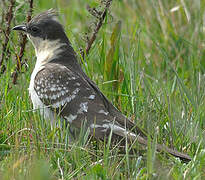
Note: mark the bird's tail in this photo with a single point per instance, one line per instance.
(160, 148)
(143, 141)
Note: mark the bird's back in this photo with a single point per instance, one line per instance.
(77, 99)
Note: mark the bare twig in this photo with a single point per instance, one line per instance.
(8, 18)
(22, 46)
(101, 16)
(94, 12)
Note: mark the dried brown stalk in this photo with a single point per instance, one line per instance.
(8, 19)
(101, 16)
(19, 56)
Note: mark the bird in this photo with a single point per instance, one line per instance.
(60, 88)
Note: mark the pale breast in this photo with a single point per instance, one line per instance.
(37, 103)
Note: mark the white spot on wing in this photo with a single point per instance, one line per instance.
(76, 91)
(93, 126)
(77, 84)
(121, 131)
(92, 96)
(37, 87)
(63, 93)
(103, 112)
(104, 126)
(83, 107)
(71, 78)
(115, 128)
(59, 88)
(53, 88)
(70, 118)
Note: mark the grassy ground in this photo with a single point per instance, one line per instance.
(155, 51)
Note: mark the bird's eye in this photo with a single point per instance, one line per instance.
(35, 29)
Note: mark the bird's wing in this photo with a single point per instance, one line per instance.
(78, 99)
(74, 98)
(121, 118)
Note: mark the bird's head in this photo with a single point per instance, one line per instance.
(43, 30)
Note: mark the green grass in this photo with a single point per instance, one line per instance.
(158, 59)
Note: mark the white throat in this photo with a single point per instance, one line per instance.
(46, 49)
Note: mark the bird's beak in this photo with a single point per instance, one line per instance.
(20, 28)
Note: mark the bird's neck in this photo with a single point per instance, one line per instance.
(48, 50)
(56, 51)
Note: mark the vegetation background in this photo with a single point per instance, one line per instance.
(148, 58)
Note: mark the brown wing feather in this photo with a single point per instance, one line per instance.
(75, 99)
